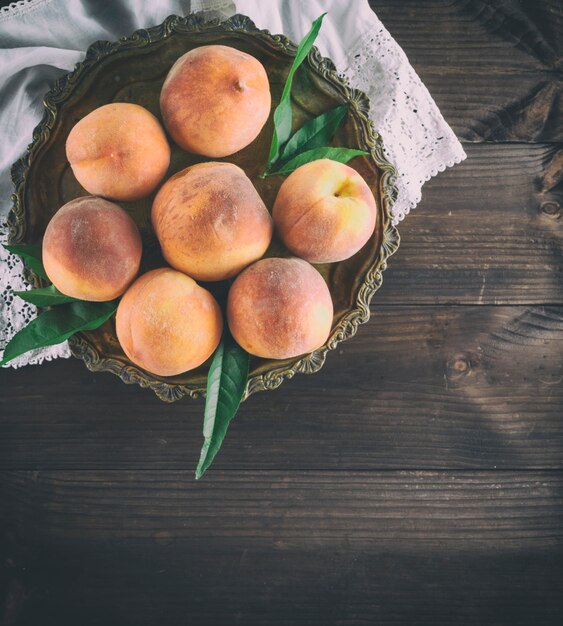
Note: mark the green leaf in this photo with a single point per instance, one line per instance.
(282, 114)
(226, 383)
(316, 133)
(31, 254)
(343, 155)
(56, 325)
(45, 296)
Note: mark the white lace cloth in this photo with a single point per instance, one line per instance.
(42, 39)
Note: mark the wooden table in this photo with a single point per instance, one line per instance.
(417, 479)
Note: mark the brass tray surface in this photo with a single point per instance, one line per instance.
(133, 70)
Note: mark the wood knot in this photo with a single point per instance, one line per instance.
(458, 366)
(551, 209)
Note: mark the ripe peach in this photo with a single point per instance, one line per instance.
(118, 151)
(210, 221)
(167, 324)
(215, 100)
(91, 249)
(324, 211)
(280, 308)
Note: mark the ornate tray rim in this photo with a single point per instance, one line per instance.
(346, 327)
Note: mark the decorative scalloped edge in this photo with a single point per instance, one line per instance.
(347, 327)
(9, 8)
(454, 159)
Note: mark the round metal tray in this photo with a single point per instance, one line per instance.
(133, 70)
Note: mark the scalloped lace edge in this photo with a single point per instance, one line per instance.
(455, 158)
(15, 5)
(36, 357)
(19, 8)
(416, 137)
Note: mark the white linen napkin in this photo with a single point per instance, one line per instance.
(41, 40)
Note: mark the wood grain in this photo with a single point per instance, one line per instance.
(493, 66)
(420, 387)
(341, 548)
(416, 480)
(499, 35)
(487, 231)
(457, 511)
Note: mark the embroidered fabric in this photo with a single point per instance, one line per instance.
(417, 139)
(10, 8)
(15, 313)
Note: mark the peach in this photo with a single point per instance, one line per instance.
(118, 151)
(167, 324)
(280, 308)
(210, 221)
(215, 100)
(91, 249)
(325, 211)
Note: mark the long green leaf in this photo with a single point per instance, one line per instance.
(283, 115)
(316, 133)
(343, 155)
(31, 254)
(56, 325)
(226, 383)
(44, 296)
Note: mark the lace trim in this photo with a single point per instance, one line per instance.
(21, 7)
(417, 138)
(14, 5)
(14, 316)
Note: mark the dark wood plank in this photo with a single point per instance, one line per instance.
(477, 34)
(420, 387)
(493, 66)
(326, 548)
(143, 584)
(487, 231)
(458, 511)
